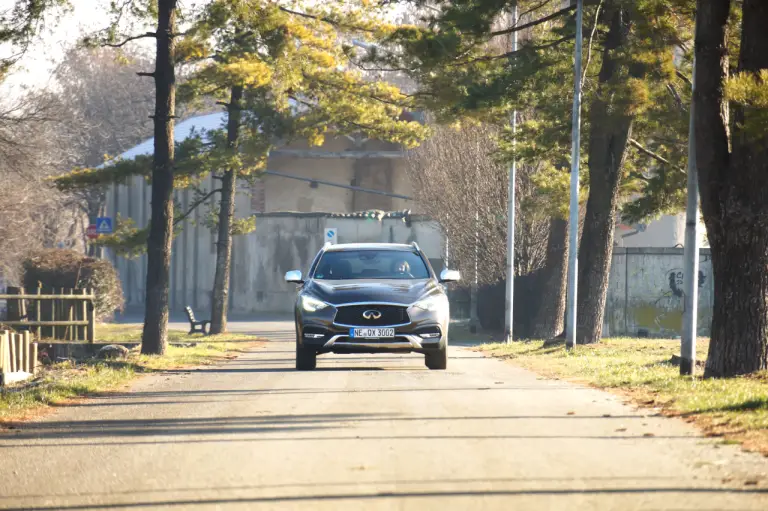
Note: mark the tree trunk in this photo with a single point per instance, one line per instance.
(734, 191)
(609, 132)
(226, 214)
(548, 322)
(155, 335)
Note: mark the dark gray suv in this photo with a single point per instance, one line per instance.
(371, 298)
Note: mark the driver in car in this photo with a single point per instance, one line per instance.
(402, 268)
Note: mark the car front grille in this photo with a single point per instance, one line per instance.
(390, 315)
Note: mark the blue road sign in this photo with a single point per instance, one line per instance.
(104, 225)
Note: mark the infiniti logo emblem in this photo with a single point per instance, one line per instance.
(372, 314)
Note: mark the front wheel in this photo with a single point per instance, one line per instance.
(437, 360)
(306, 359)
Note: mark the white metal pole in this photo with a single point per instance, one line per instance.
(573, 239)
(691, 254)
(510, 292)
(474, 317)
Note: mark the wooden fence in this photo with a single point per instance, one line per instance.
(57, 315)
(18, 357)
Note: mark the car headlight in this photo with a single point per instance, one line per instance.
(434, 303)
(311, 304)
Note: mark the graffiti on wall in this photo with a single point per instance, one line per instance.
(675, 278)
(664, 315)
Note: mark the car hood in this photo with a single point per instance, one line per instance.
(338, 292)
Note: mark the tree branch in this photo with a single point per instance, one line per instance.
(684, 78)
(637, 145)
(518, 28)
(128, 40)
(195, 205)
(325, 19)
(591, 40)
(676, 97)
(513, 53)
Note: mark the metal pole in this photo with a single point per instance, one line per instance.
(573, 239)
(510, 292)
(691, 254)
(474, 320)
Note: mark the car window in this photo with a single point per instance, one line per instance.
(371, 264)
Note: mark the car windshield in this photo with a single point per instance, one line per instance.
(371, 264)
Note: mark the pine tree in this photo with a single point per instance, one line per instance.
(731, 130)
(631, 44)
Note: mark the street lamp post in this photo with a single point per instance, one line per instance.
(573, 239)
(691, 253)
(510, 291)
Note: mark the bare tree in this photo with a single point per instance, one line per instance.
(106, 104)
(460, 182)
(107, 108)
(33, 214)
(459, 185)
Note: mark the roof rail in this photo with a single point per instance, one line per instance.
(415, 246)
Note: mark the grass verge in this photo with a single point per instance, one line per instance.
(640, 369)
(62, 382)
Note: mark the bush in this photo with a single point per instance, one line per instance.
(55, 268)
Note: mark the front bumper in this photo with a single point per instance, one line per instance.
(425, 333)
(342, 343)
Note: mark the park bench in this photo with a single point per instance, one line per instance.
(195, 325)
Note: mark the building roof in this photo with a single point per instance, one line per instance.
(181, 131)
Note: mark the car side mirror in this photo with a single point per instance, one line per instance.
(294, 277)
(449, 276)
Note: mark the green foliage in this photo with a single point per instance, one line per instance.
(116, 171)
(126, 240)
(298, 83)
(241, 226)
(750, 92)
(460, 57)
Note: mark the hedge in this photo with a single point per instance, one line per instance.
(57, 268)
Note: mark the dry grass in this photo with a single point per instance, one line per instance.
(734, 408)
(62, 382)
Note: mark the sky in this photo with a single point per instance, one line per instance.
(61, 32)
(36, 67)
(65, 30)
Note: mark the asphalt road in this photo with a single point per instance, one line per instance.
(367, 432)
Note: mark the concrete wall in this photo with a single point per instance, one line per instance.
(281, 242)
(383, 174)
(645, 293)
(667, 231)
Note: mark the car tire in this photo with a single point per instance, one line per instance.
(437, 360)
(306, 359)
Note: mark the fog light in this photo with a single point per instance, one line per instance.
(314, 336)
(431, 335)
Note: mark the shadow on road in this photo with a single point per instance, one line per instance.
(122, 432)
(373, 496)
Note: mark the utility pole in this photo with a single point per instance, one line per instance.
(691, 252)
(510, 294)
(573, 239)
(474, 317)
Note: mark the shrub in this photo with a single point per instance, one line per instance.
(56, 268)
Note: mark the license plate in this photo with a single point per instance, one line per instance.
(372, 333)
